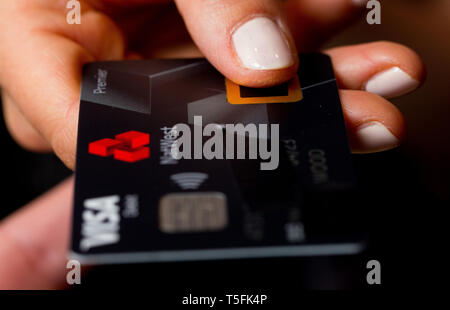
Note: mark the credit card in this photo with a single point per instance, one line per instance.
(176, 163)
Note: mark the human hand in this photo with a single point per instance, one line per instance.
(41, 57)
(34, 242)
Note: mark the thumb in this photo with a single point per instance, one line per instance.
(247, 40)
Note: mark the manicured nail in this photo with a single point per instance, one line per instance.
(360, 3)
(260, 45)
(391, 83)
(375, 137)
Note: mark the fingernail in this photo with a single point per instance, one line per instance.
(260, 45)
(391, 83)
(360, 3)
(375, 137)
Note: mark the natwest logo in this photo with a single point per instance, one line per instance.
(130, 146)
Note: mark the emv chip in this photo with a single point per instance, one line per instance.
(192, 212)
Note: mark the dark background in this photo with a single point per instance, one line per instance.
(404, 192)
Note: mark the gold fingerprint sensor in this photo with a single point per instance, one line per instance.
(193, 212)
(284, 93)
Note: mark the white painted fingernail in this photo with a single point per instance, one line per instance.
(391, 83)
(360, 3)
(375, 137)
(260, 45)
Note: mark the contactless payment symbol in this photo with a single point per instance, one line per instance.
(189, 180)
(283, 93)
(130, 146)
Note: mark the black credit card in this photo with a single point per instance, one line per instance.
(176, 163)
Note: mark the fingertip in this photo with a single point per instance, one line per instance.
(401, 55)
(266, 78)
(373, 123)
(261, 53)
(247, 41)
(384, 68)
(400, 69)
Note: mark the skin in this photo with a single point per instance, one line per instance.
(41, 57)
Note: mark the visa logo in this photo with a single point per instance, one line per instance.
(101, 222)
